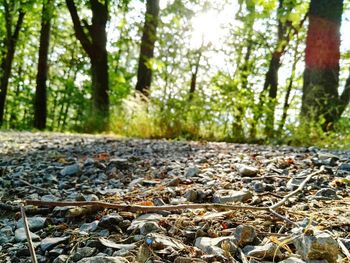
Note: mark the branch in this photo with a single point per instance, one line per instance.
(140, 208)
(79, 29)
(29, 239)
(19, 23)
(301, 186)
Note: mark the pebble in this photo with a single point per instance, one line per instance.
(267, 251)
(89, 227)
(245, 234)
(111, 221)
(50, 242)
(35, 223)
(318, 246)
(245, 170)
(228, 196)
(191, 195)
(83, 252)
(191, 171)
(72, 169)
(20, 235)
(213, 245)
(327, 194)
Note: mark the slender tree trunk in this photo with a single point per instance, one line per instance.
(6, 63)
(40, 100)
(194, 74)
(94, 41)
(289, 90)
(149, 35)
(320, 100)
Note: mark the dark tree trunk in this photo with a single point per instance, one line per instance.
(94, 43)
(320, 98)
(149, 35)
(194, 74)
(40, 101)
(271, 78)
(6, 63)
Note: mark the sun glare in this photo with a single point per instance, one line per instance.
(207, 29)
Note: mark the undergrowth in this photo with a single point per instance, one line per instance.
(140, 118)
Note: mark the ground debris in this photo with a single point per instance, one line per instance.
(160, 201)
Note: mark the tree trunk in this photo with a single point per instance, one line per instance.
(149, 35)
(6, 63)
(40, 100)
(194, 74)
(271, 78)
(94, 42)
(320, 100)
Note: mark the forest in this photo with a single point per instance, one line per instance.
(273, 71)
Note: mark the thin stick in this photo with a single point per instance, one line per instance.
(299, 189)
(344, 249)
(34, 186)
(29, 238)
(145, 209)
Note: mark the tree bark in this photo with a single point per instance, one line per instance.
(94, 42)
(40, 100)
(149, 35)
(320, 99)
(6, 63)
(194, 74)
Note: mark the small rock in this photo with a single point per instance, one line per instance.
(103, 259)
(49, 198)
(327, 194)
(72, 169)
(344, 167)
(5, 239)
(160, 241)
(119, 163)
(143, 219)
(20, 235)
(61, 259)
(213, 245)
(192, 171)
(35, 223)
(245, 170)
(245, 234)
(191, 195)
(50, 242)
(111, 221)
(267, 251)
(318, 246)
(83, 252)
(258, 186)
(89, 227)
(228, 196)
(149, 227)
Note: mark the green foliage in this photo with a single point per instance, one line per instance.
(227, 103)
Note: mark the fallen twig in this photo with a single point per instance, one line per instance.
(29, 210)
(299, 189)
(35, 187)
(29, 238)
(145, 209)
(344, 249)
(149, 209)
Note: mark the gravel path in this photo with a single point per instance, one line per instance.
(312, 226)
